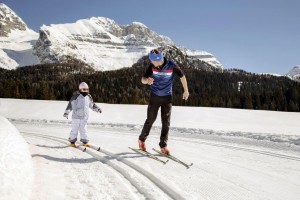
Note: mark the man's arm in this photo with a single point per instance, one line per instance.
(186, 93)
(146, 79)
(180, 73)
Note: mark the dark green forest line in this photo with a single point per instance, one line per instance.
(226, 89)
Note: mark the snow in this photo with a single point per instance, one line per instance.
(204, 56)
(270, 74)
(16, 50)
(139, 24)
(237, 154)
(15, 163)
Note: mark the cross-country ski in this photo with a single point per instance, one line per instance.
(173, 158)
(148, 154)
(96, 148)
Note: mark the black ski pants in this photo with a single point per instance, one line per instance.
(156, 102)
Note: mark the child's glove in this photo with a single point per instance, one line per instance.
(66, 115)
(99, 110)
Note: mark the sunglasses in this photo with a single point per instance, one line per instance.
(84, 89)
(154, 51)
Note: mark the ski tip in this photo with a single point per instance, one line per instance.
(84, 149)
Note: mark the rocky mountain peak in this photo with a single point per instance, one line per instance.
(138, 32)
(9, 21)
(294, 73)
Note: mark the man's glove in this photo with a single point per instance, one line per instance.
(99, 110)
(66, 115)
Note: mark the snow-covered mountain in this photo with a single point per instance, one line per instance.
(98, 42)
(104, 44)
(16, 40)
(204, 56)
(294, 73)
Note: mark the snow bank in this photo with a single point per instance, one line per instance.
(16, 172)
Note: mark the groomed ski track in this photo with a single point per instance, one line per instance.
(122, 167)
(221, 170)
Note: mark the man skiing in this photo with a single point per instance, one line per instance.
(160, 75)
(80, 103)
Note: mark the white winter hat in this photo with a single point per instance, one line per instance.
(83, 85)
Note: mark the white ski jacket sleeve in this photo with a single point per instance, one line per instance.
(80, 106)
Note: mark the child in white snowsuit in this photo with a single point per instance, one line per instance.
(80, 103)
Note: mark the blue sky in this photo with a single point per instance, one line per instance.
(259, 36)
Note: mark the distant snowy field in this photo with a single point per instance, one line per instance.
(268, 125)
(237, 154)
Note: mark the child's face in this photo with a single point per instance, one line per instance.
(84, 90)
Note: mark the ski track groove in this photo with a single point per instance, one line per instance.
(102, 160)
(294, 158)
(227, 146)
(82, 177)
(171, 193)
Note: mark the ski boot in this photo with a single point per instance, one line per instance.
(86, 144)
(72, 145)
(142, 145)
(165, 150)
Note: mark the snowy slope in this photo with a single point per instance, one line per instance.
(16, 40)
(237, 154)
(16, 50)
